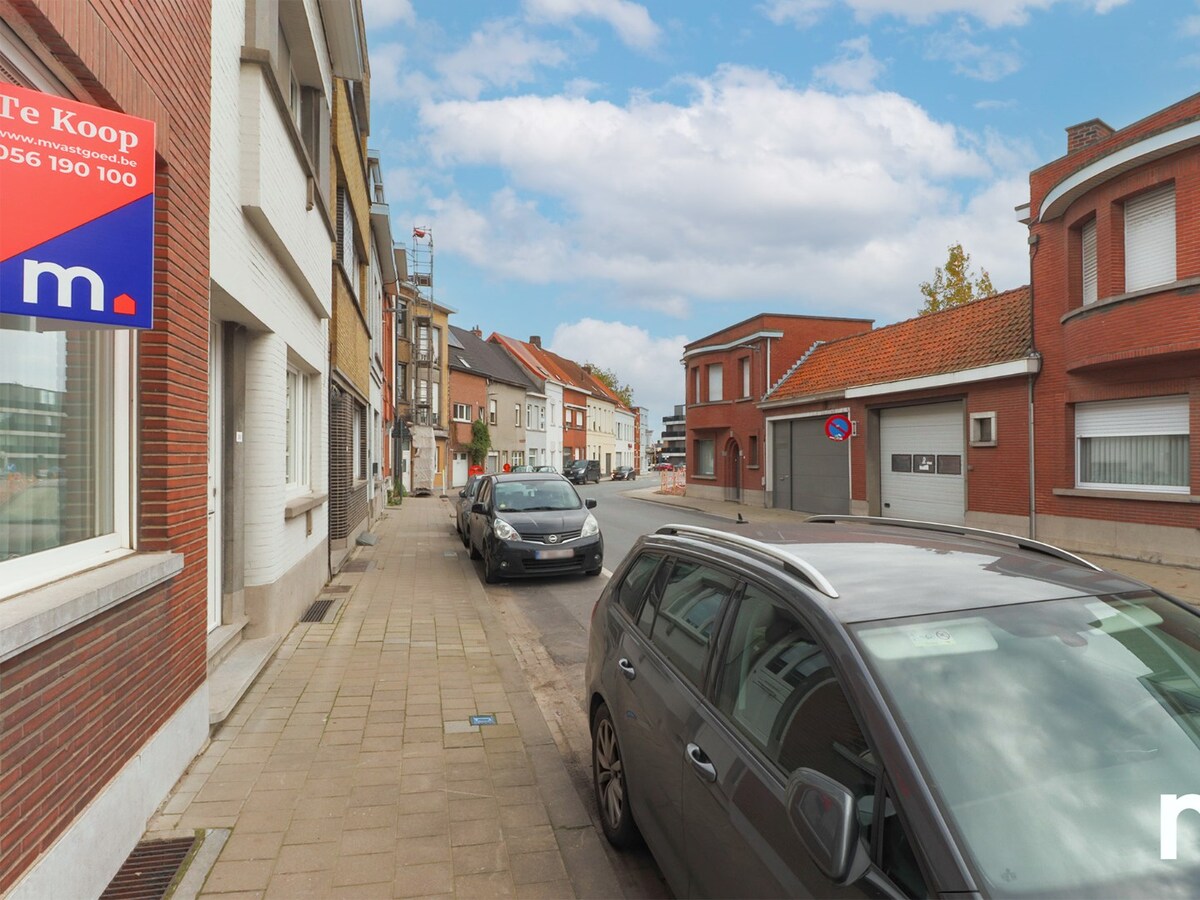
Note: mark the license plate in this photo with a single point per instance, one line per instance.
(553, 554)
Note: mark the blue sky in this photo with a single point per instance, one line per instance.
(623, 177)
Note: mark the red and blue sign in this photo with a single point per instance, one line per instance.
(838, 427)
(77, 211)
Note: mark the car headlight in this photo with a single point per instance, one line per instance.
(590, 526)
(504, 531)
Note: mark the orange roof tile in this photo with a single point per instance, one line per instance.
(987, 331)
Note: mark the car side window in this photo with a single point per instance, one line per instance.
(896, 856)
(636, 584)
(692, 598)
(484, 492)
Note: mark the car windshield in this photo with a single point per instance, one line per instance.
(1050, 732)
(530, 496)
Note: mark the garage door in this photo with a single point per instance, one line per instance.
(922, 461)
(458, 474)
(809, 472)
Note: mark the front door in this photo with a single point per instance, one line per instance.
(216, 436)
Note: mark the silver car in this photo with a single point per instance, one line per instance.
(875, 708)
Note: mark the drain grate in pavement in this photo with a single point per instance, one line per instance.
(358, 565)
(317, 611)
(149, 870)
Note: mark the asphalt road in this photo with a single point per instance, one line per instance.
(547, 621)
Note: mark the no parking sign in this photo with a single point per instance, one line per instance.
(838, 427)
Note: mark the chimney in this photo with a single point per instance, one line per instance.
(536, 340)
(1085, 134)
(477, 331)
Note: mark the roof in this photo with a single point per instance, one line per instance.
(963, 571)
(471, 353)
(761, 320)
(984, 332)
(542, 363)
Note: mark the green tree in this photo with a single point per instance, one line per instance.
(623, 391)
(481, 442)
(954, 285)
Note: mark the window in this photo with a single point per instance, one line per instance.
(686, 618)
(745, 363)
(1150, 239)
(1087, 240)
(462, 412)
(435, 411)
(753, 450)
(360, 443)
(705, 457)
(346, 250)
(1133, 444)
(401, 381)
(636, 583)
(491, 412)
(435, 346)
(529, 415)
(695, 384)
(517, 415)
(65, 443)
(983, 429)
(296, 453)
(541, 418)
(716, 373)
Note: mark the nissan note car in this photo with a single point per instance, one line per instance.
(533, 524)
(878, 708)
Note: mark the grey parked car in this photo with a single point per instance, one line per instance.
(462, 507)
(878, 708)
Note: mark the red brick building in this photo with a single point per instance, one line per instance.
(935, 414)
(1114, 228)
(103, 622)
(727, 373)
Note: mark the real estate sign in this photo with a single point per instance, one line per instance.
(76, 211)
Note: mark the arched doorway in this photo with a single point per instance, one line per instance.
(733, 472)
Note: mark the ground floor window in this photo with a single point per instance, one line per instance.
(64, 447)
(296, 450)
(1139, 444)
(705, 457)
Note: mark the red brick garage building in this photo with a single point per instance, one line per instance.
(1115, 229)
(727, 372)
(939, 407)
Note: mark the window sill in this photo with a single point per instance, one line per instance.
(1106, 302)
(297, 506)
(28, 619)
(1153, 496)
(701, 477)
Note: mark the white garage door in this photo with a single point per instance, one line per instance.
(921, 461)
(458, 473)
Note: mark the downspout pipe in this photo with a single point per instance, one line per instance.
(1033, 376)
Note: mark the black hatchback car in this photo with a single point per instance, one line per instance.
(875, 708)
(533, 524)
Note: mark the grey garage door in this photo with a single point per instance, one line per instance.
(922, 462)
(810, 473)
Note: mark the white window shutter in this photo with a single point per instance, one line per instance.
(1149, 415)
(1150, 239)
(1089, 262)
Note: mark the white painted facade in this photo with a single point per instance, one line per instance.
(623, 438)
(270, 278)
(554, 423)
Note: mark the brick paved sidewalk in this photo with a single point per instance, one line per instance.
(351, 768)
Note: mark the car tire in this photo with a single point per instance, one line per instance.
(471, 551)
(466, 538)
(609, 782)
(491, 571)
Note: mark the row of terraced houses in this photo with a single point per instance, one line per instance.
(1067, 410)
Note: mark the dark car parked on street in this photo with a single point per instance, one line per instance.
(881, 708)
(581, 471)
(462, 506)
(533, 524)
(623, 473)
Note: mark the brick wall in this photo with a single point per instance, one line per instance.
(77, 708)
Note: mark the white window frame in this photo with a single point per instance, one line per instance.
(462, 412)
(1150, 239)
(297, 432)
(745, 362)
(983, 429)
(492, 412)
(516, 415)
(1142, 417)
(1087, 240)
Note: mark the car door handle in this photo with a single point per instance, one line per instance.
(626, 669)
(701, 764)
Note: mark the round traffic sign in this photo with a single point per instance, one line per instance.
(838, 427)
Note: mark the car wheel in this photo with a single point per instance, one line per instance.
(608, 777)
(472, 552)
(491, 570)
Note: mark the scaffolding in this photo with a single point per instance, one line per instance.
(426, 408)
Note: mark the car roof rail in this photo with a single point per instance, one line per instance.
(790, 562)
(997, 536)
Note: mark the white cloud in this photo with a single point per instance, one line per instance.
(855, 69)
(801, 13)
(384, 13)
(974, 60)
(753, 191)
(631, 21)
(635, 357)
(995, 104)
(499, 55)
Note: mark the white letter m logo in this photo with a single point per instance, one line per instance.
(65, 279)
